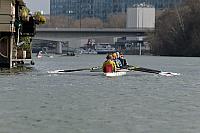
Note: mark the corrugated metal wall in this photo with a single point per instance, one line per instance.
(7, 15)
(141, 17)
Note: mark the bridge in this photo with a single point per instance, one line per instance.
(64, 34)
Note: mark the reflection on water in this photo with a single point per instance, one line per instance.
(84, 102)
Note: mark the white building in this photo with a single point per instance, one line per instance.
(141, 17)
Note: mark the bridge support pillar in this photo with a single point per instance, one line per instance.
(59, 48)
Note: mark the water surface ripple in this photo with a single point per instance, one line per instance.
(83, 102)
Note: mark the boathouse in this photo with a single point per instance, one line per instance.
(15, 34)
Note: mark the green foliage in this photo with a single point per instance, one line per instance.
(27, 42)
(24, 12)
(39, 17)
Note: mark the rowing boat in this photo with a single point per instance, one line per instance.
(119, 72)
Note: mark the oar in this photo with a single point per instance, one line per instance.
(74, 70)
(142, 69)
(147, 70)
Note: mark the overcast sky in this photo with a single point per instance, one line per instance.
(35, 5)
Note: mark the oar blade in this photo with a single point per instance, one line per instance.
(169, 74)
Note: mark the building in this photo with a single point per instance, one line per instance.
(79, 9)
(141, 17)
(15, 25)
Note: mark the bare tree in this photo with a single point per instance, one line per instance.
(88, 23)
(116, 21)
(178, 31)
(58, 21)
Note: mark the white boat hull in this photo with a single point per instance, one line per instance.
(114, 74)
(39, 56)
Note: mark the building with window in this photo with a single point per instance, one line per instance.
(79, 9)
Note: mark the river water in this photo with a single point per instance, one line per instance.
(84, 102)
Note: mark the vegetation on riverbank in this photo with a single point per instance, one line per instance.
(113, 21)
(178, 31)
(28, 22)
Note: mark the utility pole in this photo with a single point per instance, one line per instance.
(68, 11)
(80, 12)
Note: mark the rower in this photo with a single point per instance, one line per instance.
(109, 65)
(116, 60)
(123, 60)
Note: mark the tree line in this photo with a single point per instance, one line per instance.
(178, 31)
(113, 21)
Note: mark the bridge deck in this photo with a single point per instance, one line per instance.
(66, 33)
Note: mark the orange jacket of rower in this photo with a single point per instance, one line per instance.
(109, 66)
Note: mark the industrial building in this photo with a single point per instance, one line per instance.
(140, 17)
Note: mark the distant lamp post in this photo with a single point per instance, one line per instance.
(80, 7)
(69, 15)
